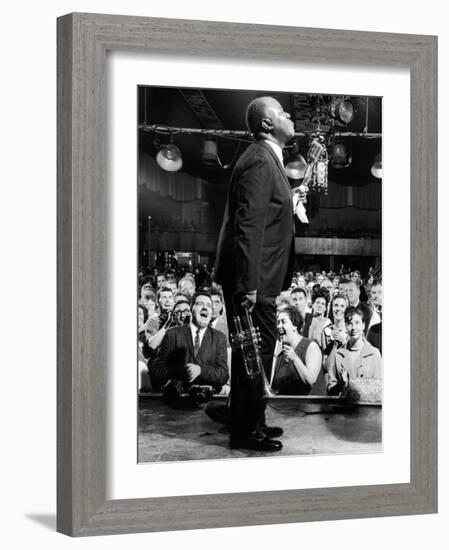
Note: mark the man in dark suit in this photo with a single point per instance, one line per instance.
(255, 257)
(192, 353)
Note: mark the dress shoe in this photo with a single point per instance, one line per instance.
(272, 431)
(219, 412)
(255, 442)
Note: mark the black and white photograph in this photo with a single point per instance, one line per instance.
(259, 274)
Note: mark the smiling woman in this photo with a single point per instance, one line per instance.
(299, 362)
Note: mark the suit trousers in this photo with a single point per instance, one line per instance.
(248, 396)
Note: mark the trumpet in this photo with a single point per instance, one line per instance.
(248, 342)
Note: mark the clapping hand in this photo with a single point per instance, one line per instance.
(344, 375)
(339, 335)
(192, 371)
(288, 351)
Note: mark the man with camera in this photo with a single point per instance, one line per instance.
(192, 353)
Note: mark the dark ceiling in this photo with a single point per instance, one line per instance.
(225, 110)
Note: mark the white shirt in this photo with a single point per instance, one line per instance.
(193, 329)
(277, 150)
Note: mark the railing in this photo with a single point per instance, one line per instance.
(194, 241)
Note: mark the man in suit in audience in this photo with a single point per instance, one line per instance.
(255, 257)
(218, 322)
(353, 289)
(193, 353)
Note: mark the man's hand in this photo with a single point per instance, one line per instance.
(299, 199)
(192, 371)
(300, 194)
(249, 300)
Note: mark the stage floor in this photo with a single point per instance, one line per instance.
(312, 426)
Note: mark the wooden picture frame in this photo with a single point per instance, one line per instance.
(83, 40)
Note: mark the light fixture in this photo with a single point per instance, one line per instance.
(209, 153)
(296, 165)
(376, 168)
(342, 110)
(169, 157)
(340, 158)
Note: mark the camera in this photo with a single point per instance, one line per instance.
(200, 394)
(177, 396)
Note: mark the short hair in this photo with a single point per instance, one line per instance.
(339, 295)
(255, 113)
(343, 281)
(299, 289)
(295, 317)
(150, 292)
(181, 298)
(377, 281)
(351, 311)
(216, 292)
(320, 292)
(164, 289)
(148, 280)
(357, 282)
(182, 301)
(201, 293)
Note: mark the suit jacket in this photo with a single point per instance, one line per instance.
(222, 326)
(256, 246)
(176, 350)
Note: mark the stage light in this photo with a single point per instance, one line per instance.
(342, 110)
(209, 153)
(376, 168)
(296, 165)
(169, 158)
(340, 158)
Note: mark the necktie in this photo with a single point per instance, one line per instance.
(196, 343)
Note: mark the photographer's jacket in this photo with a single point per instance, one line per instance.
(176, 350)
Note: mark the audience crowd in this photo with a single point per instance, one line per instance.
(329, 332)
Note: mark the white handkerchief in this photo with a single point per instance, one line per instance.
(300, 212)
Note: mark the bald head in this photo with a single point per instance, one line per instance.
(266, 119)
(257, 110)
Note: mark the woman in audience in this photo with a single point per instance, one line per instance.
(318, 322)
(152, 322)
(335, 334)
(144, 381)
(355, 360)
(299, 361)
(142, 316)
